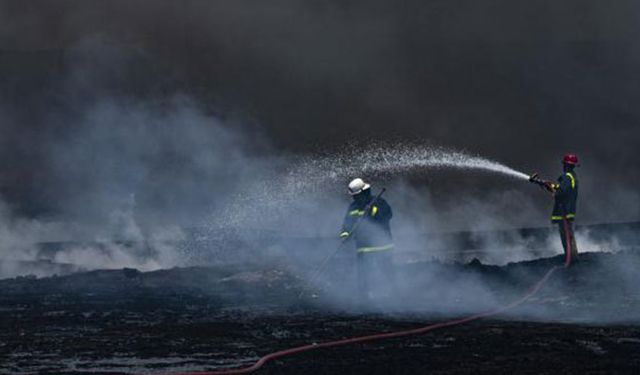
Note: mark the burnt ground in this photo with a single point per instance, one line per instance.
(585, 320)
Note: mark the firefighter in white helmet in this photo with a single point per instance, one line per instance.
(367, 223)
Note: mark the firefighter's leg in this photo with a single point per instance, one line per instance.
(568, 241)
(563, 236)
(377, 280)
(388, 273)
(364, 276)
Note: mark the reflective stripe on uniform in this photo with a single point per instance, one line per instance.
(573, 180)
(374, 210)
(344, 234)
(356, 213)
(567, 216)
(374, 248)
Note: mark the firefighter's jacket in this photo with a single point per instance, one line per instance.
(371, 230)
(565, 196)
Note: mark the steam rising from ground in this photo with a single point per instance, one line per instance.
(124, 177)
(139, 172)
(142, 174)
(128, 178)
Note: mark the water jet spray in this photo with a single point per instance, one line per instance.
(400, 158)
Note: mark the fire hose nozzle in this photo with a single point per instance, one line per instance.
(535, 178)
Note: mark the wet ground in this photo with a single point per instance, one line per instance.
(585, 320)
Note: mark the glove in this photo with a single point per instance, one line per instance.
(550, 186)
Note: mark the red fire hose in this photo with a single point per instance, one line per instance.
(381, 336)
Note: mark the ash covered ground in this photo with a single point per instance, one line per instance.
(585, 319)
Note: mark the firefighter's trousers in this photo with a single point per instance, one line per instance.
(376, 274)
(566, 234)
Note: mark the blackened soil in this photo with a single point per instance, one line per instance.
(584, 321)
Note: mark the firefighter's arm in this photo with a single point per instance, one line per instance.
(347, 225)
(563, 186)
(547, 185)
(550, 187)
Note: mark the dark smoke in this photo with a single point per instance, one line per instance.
(517, 81)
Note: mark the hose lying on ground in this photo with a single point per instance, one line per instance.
(389, 335)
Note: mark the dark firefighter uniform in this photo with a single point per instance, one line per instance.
(373, 242)
(564, 208)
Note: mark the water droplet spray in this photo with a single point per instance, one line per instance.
(276, 192)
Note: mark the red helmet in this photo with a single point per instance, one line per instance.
(570, 159)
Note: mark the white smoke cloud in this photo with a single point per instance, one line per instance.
(129, 177)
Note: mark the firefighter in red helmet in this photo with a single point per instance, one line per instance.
(565, 195)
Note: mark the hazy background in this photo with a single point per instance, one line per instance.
(125, 119)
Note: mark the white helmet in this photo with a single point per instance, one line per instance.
(357, 186)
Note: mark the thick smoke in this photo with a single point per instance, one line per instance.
(520, 81)
(125, 125)
(118, 175)
(135, 170)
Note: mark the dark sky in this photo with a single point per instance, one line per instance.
(518, 81)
